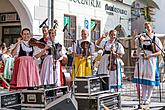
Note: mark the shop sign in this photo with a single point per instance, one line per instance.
(115, 9)
(92, 3)
(86, 24)
(9, 17)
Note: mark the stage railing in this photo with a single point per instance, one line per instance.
(129, 91)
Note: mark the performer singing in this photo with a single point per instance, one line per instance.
(51, 71)
(45, 32)
(83, 49)
(44, 40)
(108, 63)
(148, 49)
(25, 73)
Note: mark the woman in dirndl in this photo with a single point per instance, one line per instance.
(8, 65)
(82, 50)
(147, 68)
(51, 71)
(109, 64)
(25, 72)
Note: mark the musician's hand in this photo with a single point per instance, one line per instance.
(134, 54)
(46, 47)
(146, 57)
(142, 38)
(105, 35)
(79, 55)
(19, 40)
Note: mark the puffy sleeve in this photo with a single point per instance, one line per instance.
(92, 48)
(102, 44)
(36, 50)
(18, 49)
(120, 49)
(158, 45)
(137, 40)
(63, 50)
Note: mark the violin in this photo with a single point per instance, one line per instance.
(112, 66)
(85, 45)
(35, 42)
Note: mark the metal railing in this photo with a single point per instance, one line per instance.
(129, 89)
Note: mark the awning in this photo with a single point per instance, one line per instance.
(120, 31)
(150, 3)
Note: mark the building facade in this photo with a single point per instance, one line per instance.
(159, 23)
(97, 16)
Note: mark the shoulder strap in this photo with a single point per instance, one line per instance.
(117, 46)
(105, 45)
(153, 41)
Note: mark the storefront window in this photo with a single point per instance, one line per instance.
(10, 34)
(70, 30)
(95, 30)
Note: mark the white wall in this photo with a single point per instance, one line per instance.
(83, 12)
(33, 12)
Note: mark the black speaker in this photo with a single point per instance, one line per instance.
(65, 102)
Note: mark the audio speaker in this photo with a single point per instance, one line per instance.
(65, 102)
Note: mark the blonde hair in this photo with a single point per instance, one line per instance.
(148, 23)
(84, 30)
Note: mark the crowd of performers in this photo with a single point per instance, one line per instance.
(20, 64)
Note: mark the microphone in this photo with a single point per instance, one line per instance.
(44, 22)
(65, 27)
(55, 24)
(94, 27)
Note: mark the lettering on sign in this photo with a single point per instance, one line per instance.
(115, 9)
(93, 3)
(9, 17)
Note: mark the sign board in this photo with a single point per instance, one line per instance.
(86, 24)
(9, 17)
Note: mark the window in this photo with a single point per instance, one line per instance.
(70, 31)
(10, 34)
(95, 30)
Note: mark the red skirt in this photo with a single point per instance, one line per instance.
(25, 72)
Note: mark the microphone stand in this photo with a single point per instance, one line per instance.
(138, 71)
(137, 57)
(117, 67)
(163, 54)
(54, 60)
(73, 43)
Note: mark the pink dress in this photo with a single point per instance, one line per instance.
(25, 72)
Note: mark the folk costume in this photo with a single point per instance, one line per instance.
(148, 68)
(82, 63)
(51, 71)
(114, 75)
(25, 73)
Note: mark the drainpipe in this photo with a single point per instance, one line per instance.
(52, 12)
